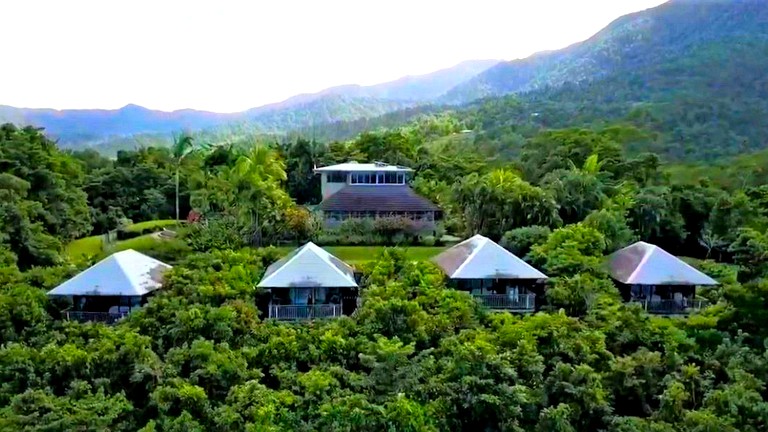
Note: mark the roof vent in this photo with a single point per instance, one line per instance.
(380, 164)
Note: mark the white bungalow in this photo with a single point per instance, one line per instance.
(310, 283)
(495, 276)
(661, 282)
(111, 288)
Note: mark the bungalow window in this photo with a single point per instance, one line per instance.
(400, 178)
(337, 177)
(390, 178)
(361, 178)
(380, 178)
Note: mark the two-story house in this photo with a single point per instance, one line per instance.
(372, 190)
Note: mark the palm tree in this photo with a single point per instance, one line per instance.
(183, 145)
(259, 173)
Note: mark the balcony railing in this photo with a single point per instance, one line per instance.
(304, 312)
(672, 307)
(102, 317)
(518, 303)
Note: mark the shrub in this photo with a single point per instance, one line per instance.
(124, 234)
(520, 241)
(390, 226)
(168, 251)
(356, 227)
(300, 224)
(223, 232)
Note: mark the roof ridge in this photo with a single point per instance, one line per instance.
(301, 250)
(474, 252)
(645, 258)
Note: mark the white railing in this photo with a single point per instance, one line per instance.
(672, 307)
(304, 312)
(520, 302)
(103, 317)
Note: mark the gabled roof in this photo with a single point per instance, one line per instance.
(127, 273)
(309, 266)
(383, 198)
(355, 166)
(646, 264)
(481, 258)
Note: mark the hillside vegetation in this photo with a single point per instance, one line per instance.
(417, 355)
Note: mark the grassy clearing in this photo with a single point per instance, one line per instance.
(141, 242)
(360, 254)
(91, 246)
(84, 247)
(156, 225)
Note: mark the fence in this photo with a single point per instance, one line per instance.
(303, 312)
(672, 307)
(103, 317)
(521, 302)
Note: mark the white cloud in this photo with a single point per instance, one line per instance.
(229, 55)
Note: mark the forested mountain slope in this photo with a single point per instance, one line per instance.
(675, 36)
(690, 74)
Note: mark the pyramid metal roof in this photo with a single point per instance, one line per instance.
(309, 266)
(126, 273)
(481, 258)
(646, 264)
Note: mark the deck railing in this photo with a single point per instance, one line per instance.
(102, 317)
(304, 312)
(520, 302)
(672, 307)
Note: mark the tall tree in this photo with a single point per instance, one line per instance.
(183, 145)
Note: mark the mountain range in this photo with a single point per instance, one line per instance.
(349, 102)
(693, 71)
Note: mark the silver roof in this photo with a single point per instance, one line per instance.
(363, 167)
(127, 273)
(646, 264)
(481, 258)
(309, 266)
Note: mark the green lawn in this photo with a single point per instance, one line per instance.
(360, 254)
(84, 247)
(157, 225)
(90, 246)
(140, 242)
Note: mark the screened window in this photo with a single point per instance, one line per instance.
(363, 178)
(337, 177)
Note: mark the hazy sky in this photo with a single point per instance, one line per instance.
(227, 55)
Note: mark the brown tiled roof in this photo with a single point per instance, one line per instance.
(382, 198)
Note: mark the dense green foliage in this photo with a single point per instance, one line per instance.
(561, 176)
(416, 355)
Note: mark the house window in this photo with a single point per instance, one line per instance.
(400, 178)
(337, 177)
(363, 178)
